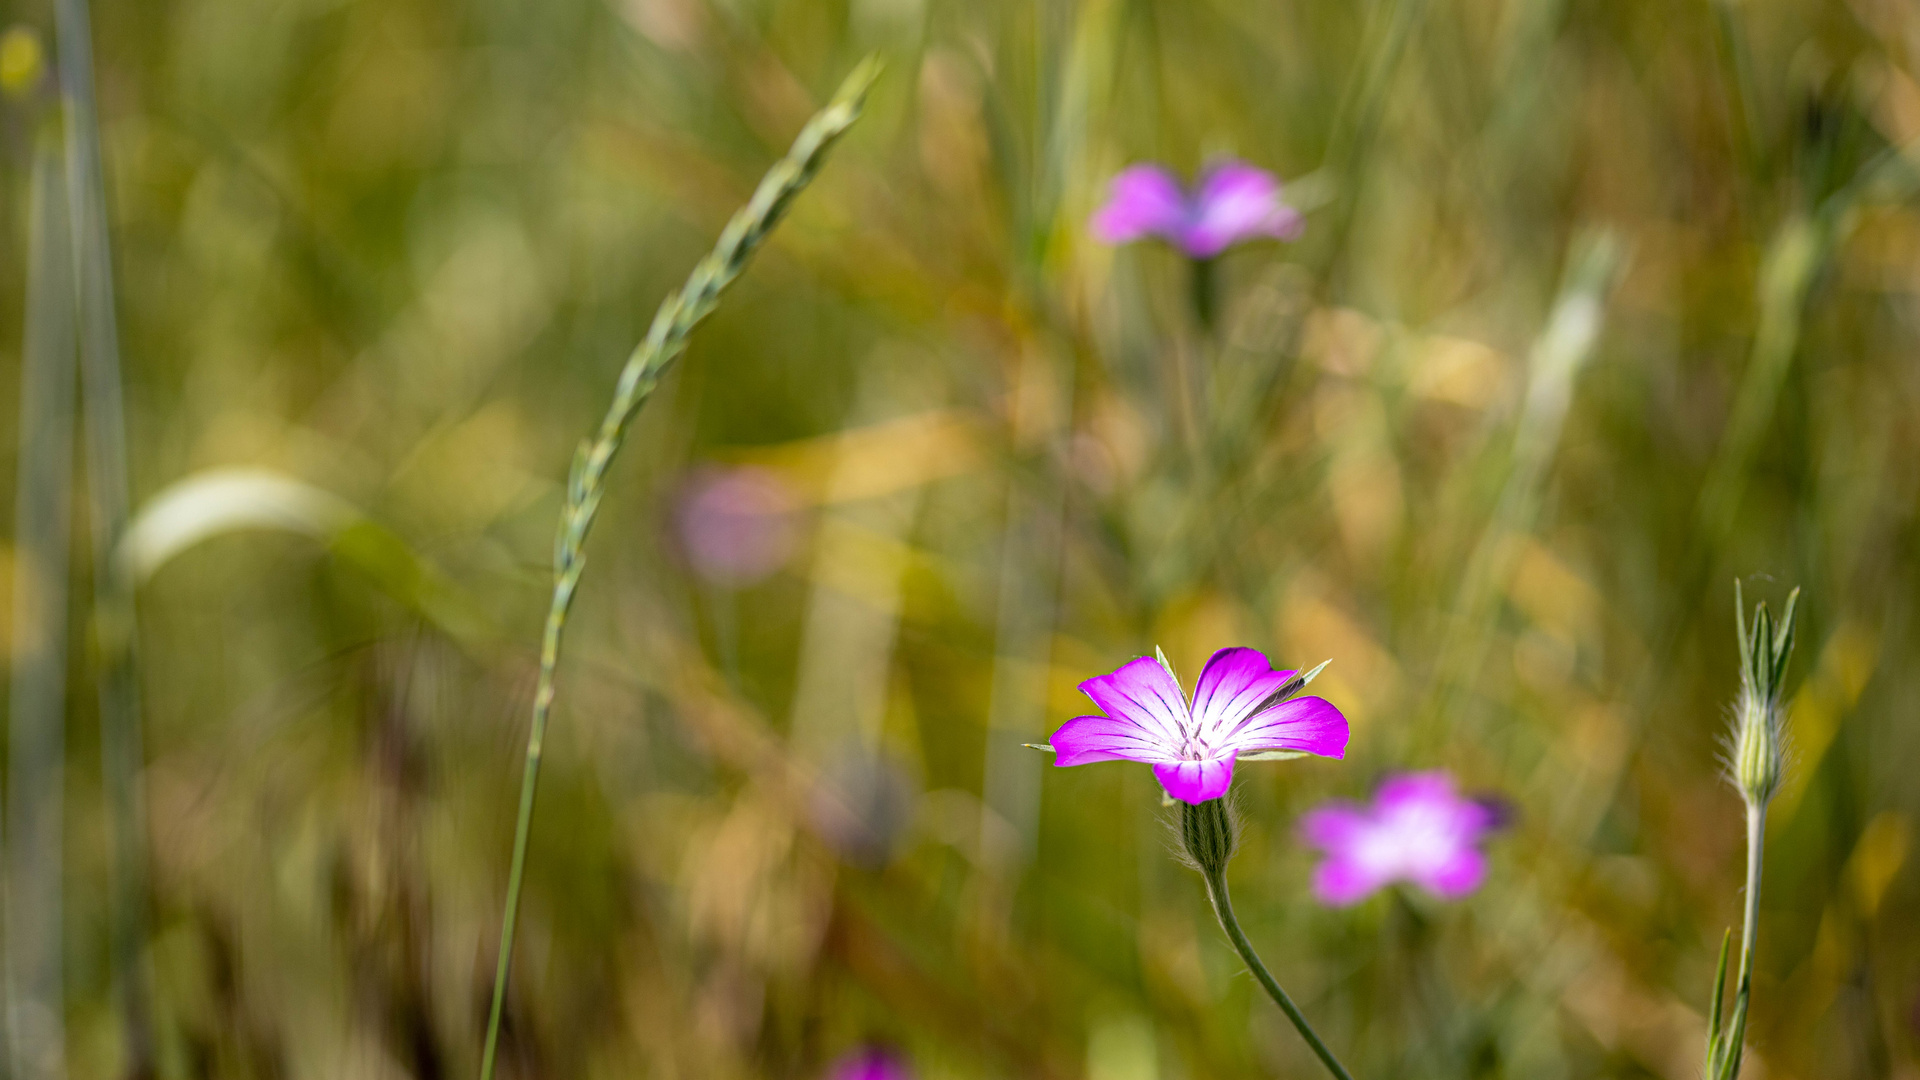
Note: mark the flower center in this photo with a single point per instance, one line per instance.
(1194, 748)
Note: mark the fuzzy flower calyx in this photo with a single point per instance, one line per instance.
(1241, 709)
(1765, 646)
(1209, 834)
(1231, 202)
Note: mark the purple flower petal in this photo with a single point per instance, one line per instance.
(1143, 694)
(1340, 881)
(1236, 202)
(1232, 685)
(1311, 724)
(1144, 200)
(1148, 719)
(1417, 830)
(1454, 876)
(1427, 802)
(1415, 791)
(1086, 739)
(1196, 781)
(1334, 826)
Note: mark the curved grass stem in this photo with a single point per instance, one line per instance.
(1223, 910)
(666, 339)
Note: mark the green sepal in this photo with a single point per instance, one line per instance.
(1291, 687)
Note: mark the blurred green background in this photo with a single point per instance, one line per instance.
(1601, 304)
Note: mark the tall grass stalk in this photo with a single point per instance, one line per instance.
(1561, 352)
(106, 451)
(586, 482)
(36, 731)
(1357, 121)
(1743, 99)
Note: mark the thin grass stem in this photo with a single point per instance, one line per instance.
(666, 340)
(36, 731)
(104, 419)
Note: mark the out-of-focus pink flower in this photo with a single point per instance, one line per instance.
(737, 525)
(1192, 748)
(871, 1063)
(1233, 201)
(1417, 830)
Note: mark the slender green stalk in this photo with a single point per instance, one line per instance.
(1724, 1051)
(104, 418)
(1749, 930)
(586, 483)
(36, 731)
(1743, 97)
(1795, 256)
(1756, 762)
(1205, 294)
(1223, 909)
(1358, 121)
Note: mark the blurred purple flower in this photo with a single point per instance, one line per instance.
(737, 525)
(1417, 830)
(1233, 201)
(1192, 748)
(871, 1063)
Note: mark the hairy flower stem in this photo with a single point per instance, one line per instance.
(1223, 910)
(666, 339)
(1750, 931)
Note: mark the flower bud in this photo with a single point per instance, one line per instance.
(1758, 755)
(1208, 831)
(1756, 750)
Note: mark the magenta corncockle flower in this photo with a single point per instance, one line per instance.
(737, 525)
(1417, 830)
(870, 1063)
(1192, 746)
(1231, 202)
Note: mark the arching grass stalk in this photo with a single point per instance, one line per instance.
(1209, 836)
(586, 481)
